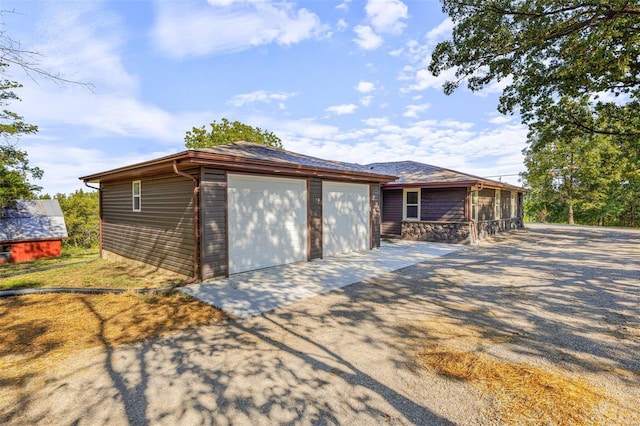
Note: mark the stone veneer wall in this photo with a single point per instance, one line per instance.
(457, 232)
(445, 232)
(492, 227)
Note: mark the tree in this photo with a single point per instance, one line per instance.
(546, 50)
(577, 176)
(81, 215)
(15, 171)
(228, 132)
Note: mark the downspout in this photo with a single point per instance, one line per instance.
(196, 221)
(99, 214)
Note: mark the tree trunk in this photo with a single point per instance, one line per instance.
(571, 222)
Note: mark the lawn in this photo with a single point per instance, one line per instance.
(82, 268)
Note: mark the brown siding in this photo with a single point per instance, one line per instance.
(505, 204)
(375, 215)
(485, 204)
(391, 212)
(315, 218)
(443, 204)
(213, 213)
(162, 233)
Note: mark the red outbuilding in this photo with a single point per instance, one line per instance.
(31, 230)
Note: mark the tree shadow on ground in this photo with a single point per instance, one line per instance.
(566, 297)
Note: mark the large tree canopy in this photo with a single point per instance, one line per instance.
(546, 49)
(15, 172)
(228, 132)
(578, 176)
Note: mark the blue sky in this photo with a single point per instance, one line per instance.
(341, 80)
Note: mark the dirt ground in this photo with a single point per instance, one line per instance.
(553, 299)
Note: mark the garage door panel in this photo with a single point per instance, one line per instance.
(346, 217)
(267, 222)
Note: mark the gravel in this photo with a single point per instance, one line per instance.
(566, 298)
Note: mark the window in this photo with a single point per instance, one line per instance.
(514, 204)
(411, 205)
(474, 204)
(136, 193)
(497, 204)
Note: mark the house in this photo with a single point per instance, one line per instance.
(227, 209)
(435, 204)
(31, 230)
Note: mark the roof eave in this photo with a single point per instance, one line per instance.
(229, 162)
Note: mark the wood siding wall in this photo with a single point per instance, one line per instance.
(213, 214)
(505, 204)
(443, 204)
(486, 210)
(315, 218)
(375, 215)
(161, 234)
(391, 212)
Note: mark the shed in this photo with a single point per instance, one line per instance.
(432, 203)
(238, 207)
(30, 230)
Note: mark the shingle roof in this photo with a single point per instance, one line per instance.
(413, 172)
(253, 151)
(247, 156)
(32, 221)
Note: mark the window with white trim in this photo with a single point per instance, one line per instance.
(514, 204)
(474, 204)
(497, 204)
(411, 204)
(136, 195)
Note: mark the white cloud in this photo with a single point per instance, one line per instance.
(367, 39)
(365, 87)
(342, 109)
(83, 43)
(413, 111)
(342, 25)
(423, 79)
(184, 29)
(344, 5)
(382, 17)
(386, 16)
(440, 32)
(63, 164)
(366, 100)
(259, 96)
(496, 118)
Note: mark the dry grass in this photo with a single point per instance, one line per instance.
(524, 394)
(520, 393)
(39, 331)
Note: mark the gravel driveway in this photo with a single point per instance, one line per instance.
(565, 297)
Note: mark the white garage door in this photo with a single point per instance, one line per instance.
(267, 221)
(345, 217)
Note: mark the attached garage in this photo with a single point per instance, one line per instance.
(267, 221)
(238, 207)
(346, 210)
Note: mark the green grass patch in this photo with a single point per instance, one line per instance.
(91, 272)
(69, 255)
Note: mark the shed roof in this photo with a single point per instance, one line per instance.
(248, 156)
(32, 221)
(413, 173)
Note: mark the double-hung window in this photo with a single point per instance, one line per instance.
(411, 204)
(497, 204)
(136, 195)
(474, 204)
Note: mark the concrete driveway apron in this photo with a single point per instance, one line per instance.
(251, 293)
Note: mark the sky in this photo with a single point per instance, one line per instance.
(340, 80)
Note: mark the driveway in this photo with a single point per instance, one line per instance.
(252, 293)
(564, 299)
